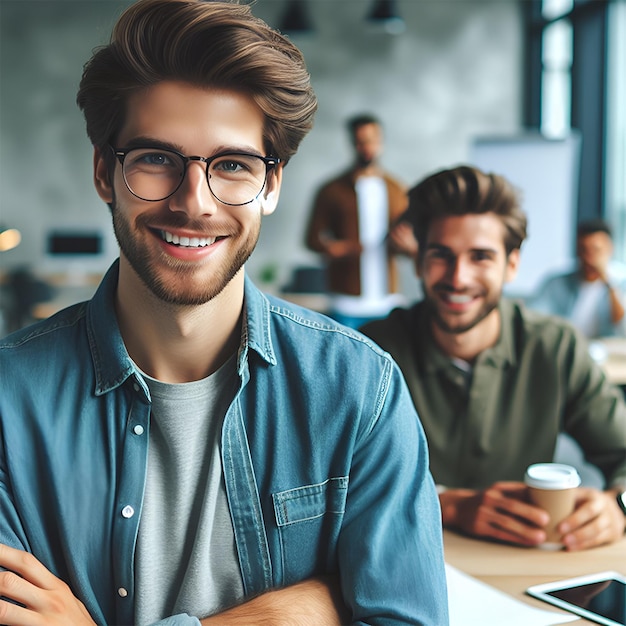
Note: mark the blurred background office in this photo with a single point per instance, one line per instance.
(532, 89)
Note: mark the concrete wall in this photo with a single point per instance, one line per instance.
(453, 74)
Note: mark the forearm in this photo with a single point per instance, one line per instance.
(315, 602)
(617, 308)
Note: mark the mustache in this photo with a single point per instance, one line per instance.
(179, 220)
(447, 288)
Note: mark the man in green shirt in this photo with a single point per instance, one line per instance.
(494, 384)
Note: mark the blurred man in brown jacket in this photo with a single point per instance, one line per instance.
(349, 225)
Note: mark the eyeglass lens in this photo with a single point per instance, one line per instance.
(156, 174)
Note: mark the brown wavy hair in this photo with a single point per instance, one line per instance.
(466, 190)
(207, 44)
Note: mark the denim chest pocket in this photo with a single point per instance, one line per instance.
(309, 520)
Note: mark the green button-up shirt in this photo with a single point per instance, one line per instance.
(492, 422)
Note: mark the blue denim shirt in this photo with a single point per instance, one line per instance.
(324, 459)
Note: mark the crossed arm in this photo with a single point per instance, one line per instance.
(48, 601)
(501, 512)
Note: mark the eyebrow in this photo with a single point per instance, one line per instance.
(145, 141)
(441, 248)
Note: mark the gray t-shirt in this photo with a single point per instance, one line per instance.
(186, 559)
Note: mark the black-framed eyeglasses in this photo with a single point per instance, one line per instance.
(154, 174)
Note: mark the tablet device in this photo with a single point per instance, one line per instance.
(598, 597)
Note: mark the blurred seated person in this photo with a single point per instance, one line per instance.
(349, 225)
(494, 383)
(592, 296)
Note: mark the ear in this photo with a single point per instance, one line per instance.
(271, 193)
(512, 265)
(101, 176)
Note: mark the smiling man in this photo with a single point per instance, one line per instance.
(182, 449)
(493, 383)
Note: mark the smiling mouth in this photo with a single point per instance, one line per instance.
(456, 298)
(188, 242)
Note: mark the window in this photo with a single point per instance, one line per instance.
(576, 61)
(615, 177)
(556, 75)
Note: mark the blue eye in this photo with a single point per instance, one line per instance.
(155, 158)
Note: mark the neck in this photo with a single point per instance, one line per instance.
(469, 344)
(369, 169)
(175, 343)
(590, 275)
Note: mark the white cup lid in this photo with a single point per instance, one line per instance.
(551, 476)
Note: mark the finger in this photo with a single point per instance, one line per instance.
(501, 525)
(39, 605)
(513, 507)
(601, 523)
(502, 534)
(516, 490)
(15, 588)
(589, 506)
(27, 566)
(588, 536)
(520, 536)
(14, 615)
(510, 486)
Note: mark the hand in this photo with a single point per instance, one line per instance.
(596, 520)
(595, 259)
(47, 600)
(341, 248)
(500, 512)
(403, 240)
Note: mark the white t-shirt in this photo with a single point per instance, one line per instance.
(373, 215)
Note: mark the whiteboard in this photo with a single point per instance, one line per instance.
(546, 173)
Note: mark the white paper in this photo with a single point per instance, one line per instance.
(474, 603)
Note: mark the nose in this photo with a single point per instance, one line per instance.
(194, 197)
(459, 271)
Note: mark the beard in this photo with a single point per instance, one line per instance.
(178, 283)
(363, 161)
(444, 321)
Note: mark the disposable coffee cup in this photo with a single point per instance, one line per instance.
(551, 487)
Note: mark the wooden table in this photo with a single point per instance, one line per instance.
(513, 570)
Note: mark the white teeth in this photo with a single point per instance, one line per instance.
(187, 242)
(459, 299)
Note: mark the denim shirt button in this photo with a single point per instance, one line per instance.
(135, 386)
(121, 592)
(128, 511)
(138, 430)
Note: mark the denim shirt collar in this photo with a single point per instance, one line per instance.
(256, 333)
(112, 363)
